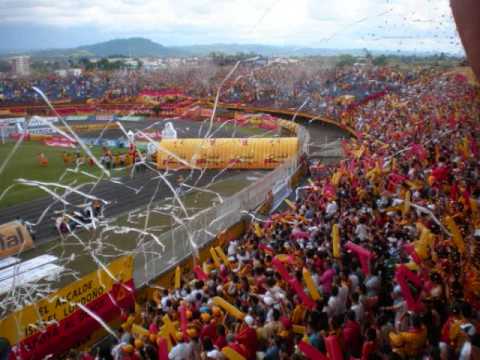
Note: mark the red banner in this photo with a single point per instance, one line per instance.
(76, 327)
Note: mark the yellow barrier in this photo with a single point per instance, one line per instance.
(59, 305)
(263, 153)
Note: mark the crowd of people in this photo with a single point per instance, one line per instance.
(276, 84)
(376, 259)
(88, 85)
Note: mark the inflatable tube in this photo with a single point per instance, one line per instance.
(336, 241)
(312, 289)
(229, 308)
(222, 256)
(363, 255)
(178, 277)
(407, 203)
(215, 258)
(282, 270)
(231, 354)
(199, 273)
(311, 352)
(403, 275)
(410, 250)
(294, 284)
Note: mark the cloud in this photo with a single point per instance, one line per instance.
(366, 23)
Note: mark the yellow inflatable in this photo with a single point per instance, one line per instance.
(254, 153)
(222, 256)
(409, 343)
(312, 289)
(336, 241)
(215, 258)
(229, 308)
(178, 277)
(231, 354)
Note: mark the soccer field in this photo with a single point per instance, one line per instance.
(24, 164)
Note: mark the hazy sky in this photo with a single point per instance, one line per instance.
(421, 25)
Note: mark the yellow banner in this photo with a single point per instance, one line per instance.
(14, 238)
(262, 153)
(24, 323)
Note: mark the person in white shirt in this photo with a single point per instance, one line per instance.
(361, 230)
(232, 248)
(331, 209)
(336, 306)
(468, 351)
(181, 351)
(357, 308)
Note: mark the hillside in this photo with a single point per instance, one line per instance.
(138, 47)
(141, 47)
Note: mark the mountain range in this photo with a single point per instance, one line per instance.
(141, 47)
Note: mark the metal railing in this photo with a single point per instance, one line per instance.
(154, 259)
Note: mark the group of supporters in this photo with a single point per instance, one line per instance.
(378, 258)
(274, 84)
(90, 85)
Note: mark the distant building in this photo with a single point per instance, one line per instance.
(68, 72)
(21, 65)
(75, 72)
(62, 73)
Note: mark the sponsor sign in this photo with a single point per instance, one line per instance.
(57, 323)
(107, 117)
(37, 125)
(59, 141)
(14, 238)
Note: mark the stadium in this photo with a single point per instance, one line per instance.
(329, 221)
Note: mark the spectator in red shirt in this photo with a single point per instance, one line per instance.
(221, 338)
(247, 336)
(369, 346)
(352, 336)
